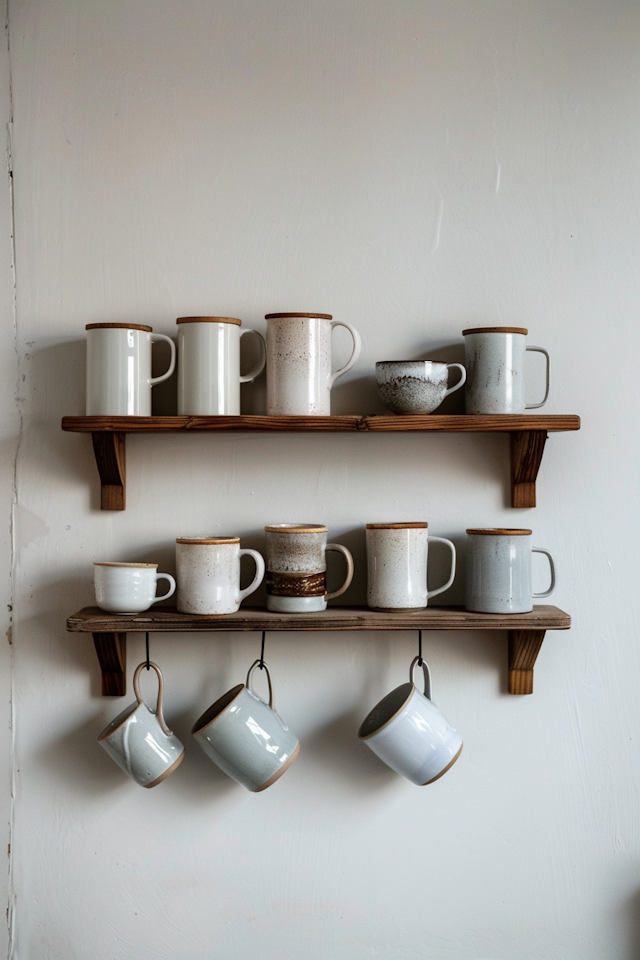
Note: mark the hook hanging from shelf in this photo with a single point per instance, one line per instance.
(148, 663)
(261, 663)
(420, 660)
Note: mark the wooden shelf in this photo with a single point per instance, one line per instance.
(526, 631)
(528, 434)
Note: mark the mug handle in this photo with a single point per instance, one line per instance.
(434, 593)
(257, 580)
(172, 364)
(553, 572)
(338, 548)
(259, 367)
(533, 406)
(357, 346)
(461, 382)
(426, 673)
(260, 663)
(172, 586)
(136, 690)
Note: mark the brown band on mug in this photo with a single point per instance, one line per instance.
(119, 326)
(234, 320)
(501, 532)
(522, 330)
(295, 585)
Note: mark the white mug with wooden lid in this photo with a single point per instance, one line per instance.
(208, 574)
(499, 571)
(119, 377)
(397, 556)
(494, 358)
(209, 375)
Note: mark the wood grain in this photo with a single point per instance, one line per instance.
(524, 646)
(526, 456)
(111, 648)
(109, 450)
(168, 620)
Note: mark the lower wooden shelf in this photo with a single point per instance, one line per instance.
(526, 631)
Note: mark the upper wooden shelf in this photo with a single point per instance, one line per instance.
(528, 434)
(526, 630)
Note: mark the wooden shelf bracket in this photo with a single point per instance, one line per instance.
(524, 647)
(112, 656)
(109, 449)
(527, 447)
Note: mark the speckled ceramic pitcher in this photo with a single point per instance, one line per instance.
(494, 358)
(299, 377)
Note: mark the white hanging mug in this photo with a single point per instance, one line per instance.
(397, 566)
(299, 377)
(119, 377)
(208, 574)
(494, 358)
(209, 375)
(499, 571)
(408, 732)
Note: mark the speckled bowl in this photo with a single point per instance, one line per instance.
(415, 386)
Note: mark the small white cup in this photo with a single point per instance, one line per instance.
(416, 386)
(494, 358)
(119, 377)
(499, 571)
(139, 740)
(209, 365)
(128, 587)
(397, 566)
(408, 732)
(245, 737)
(208, 573)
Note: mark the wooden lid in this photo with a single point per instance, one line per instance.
(296, 528)
(500, 532)
(238, 323)
(119, 326)
(113, 563)
(275, 316)
(522, 330)
(207, 540)
(418, 525)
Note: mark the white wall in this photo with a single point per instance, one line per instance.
(413, 168)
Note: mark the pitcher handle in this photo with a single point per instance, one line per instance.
(357, 346)
(533, 406)
(461, 382)
(553, 572)
(136, 690)
(257, 580)
(338, 548)
(434, 593)
(172, 364)
(259, 367)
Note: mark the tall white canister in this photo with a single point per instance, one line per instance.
(119, 377)
(209, 365)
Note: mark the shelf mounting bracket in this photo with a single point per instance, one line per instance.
(109, 450)
(112, 656)
(524, 647)
(527, 447)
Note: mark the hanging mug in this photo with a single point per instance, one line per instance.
(119, 377)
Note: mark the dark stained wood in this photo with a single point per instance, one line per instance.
(168, 620)
(524, 646)
(109, 449)
(111, 648)
(494, 423)
(526, 456)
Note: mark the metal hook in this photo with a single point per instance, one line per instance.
(420, 660)
(261, 663)
(148, 663)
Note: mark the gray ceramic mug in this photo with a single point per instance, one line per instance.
(499, 571)
(245, 737)
(139, 740)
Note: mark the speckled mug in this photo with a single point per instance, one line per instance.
(499, 571)
(245, 737)
(415, 386)
(140, 741)
(296, 567)
(299, 377)
(397, 566)
(494, 358)
(208, 574)
(408, 732)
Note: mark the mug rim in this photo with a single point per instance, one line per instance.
(522, 330)
(117, 563)
(207, 540)
(119, 326)
(412, 689)
(296, 528)
(106, 736)
(409, 525)
(218, 708)
(234, 320)
(310, 316)
(501, 532)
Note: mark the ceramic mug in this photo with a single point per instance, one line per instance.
(128, 587)
(245, 737)
(499, 571)
(299, 377)
(397, 566)
(209, 365)
(416, 386)
(408, 732)
(140, 741)
(119, 377)
(208, 574)
(296, 567)
(494, 358)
